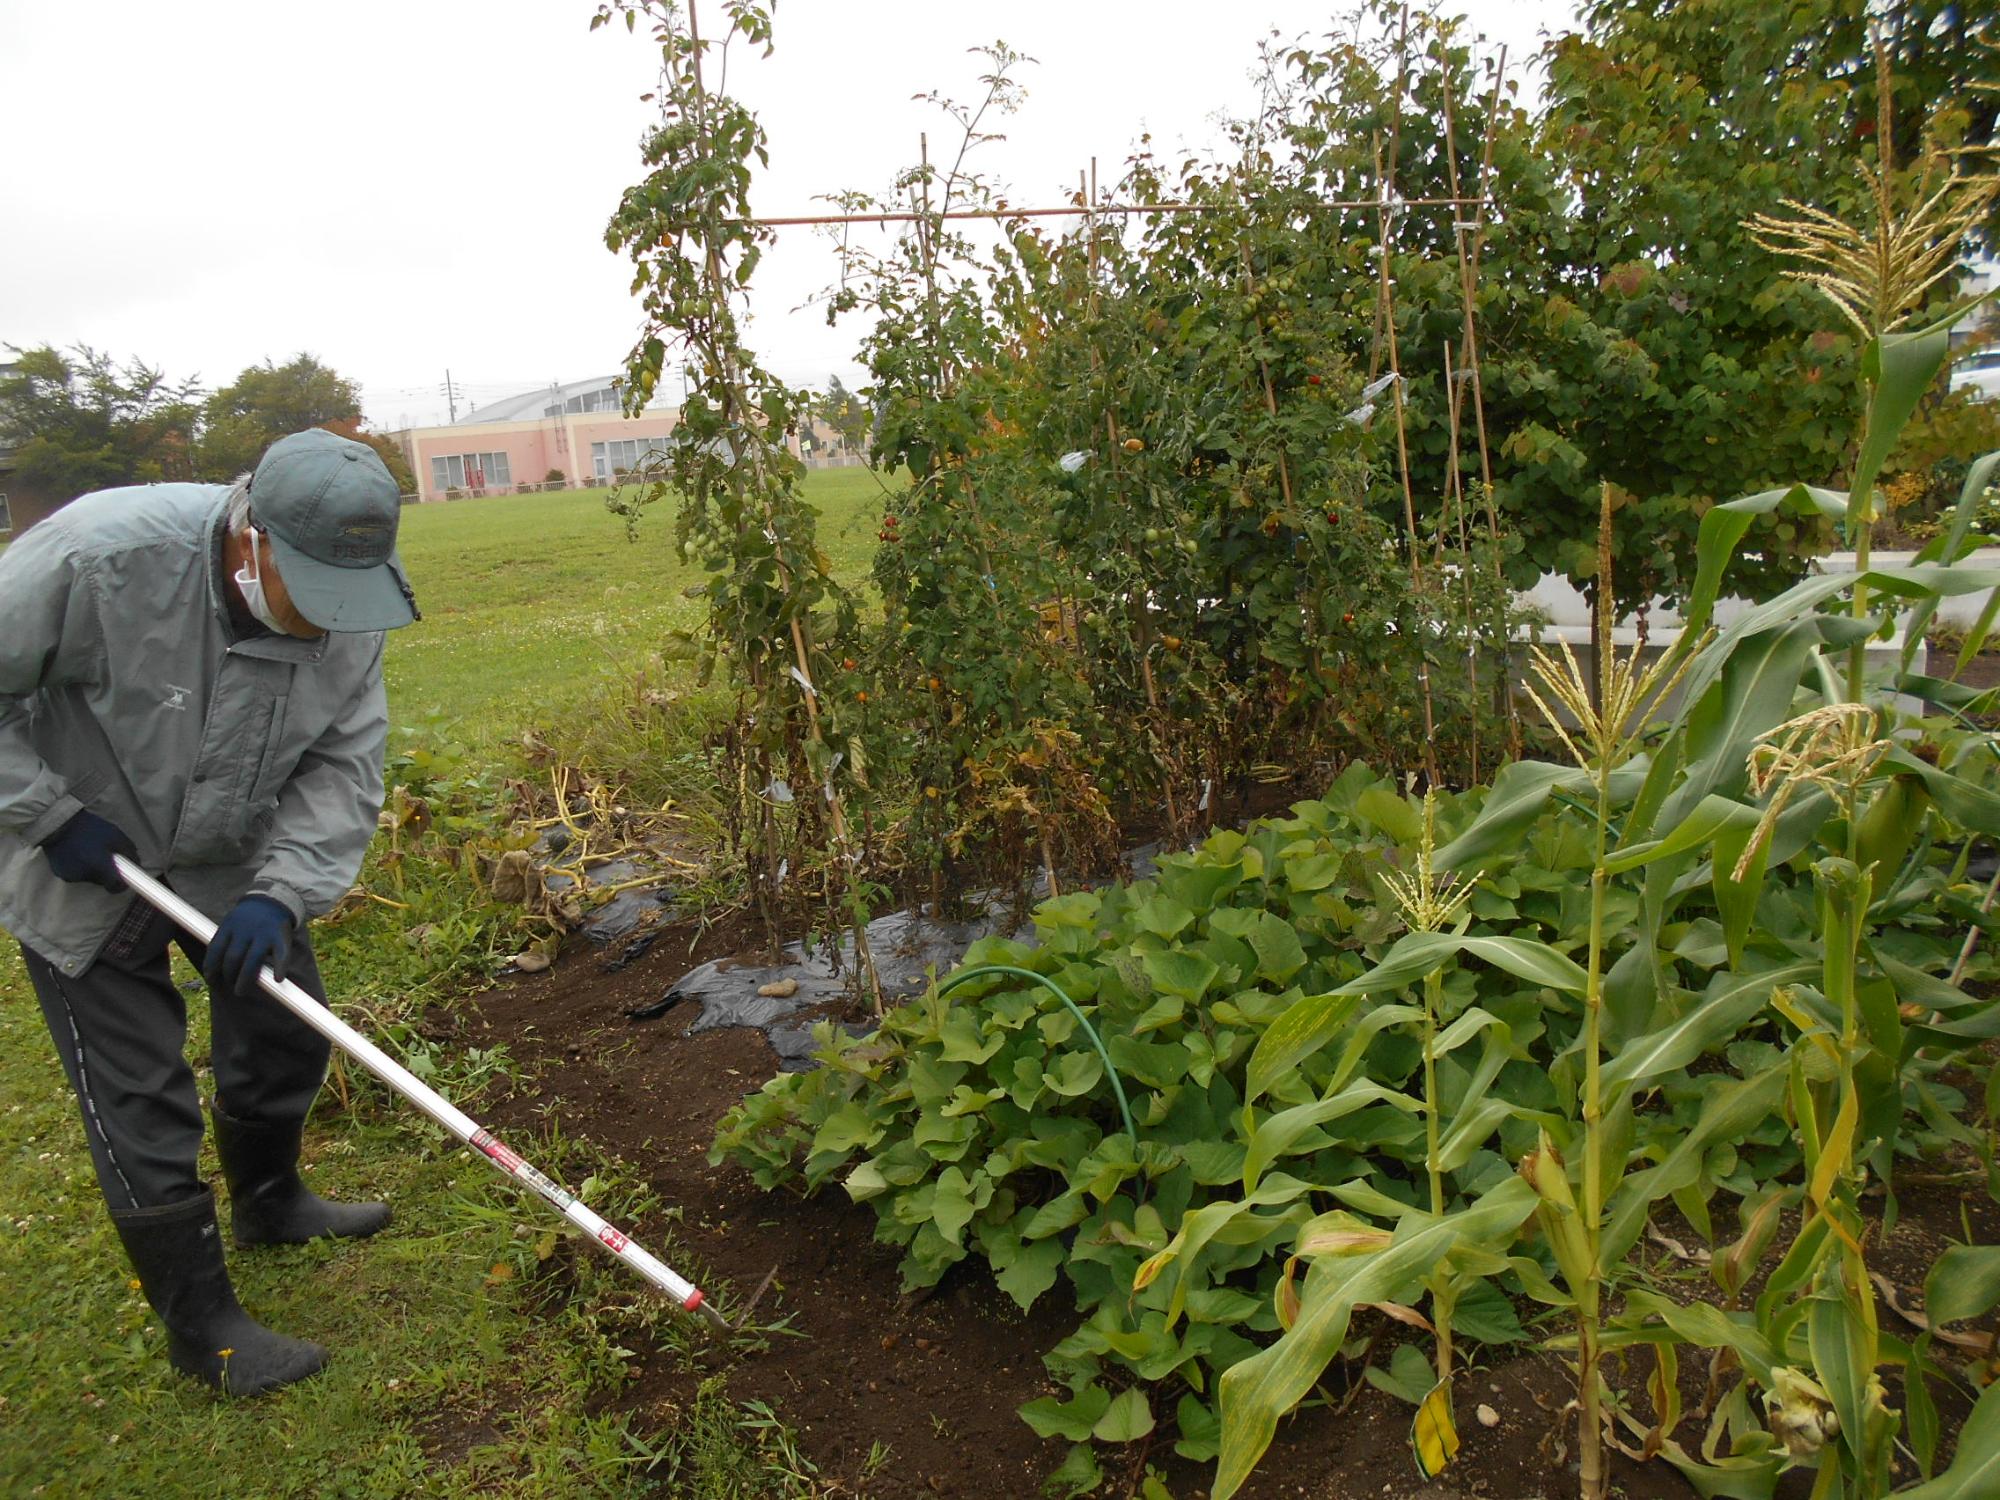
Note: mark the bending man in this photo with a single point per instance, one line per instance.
(191, 676)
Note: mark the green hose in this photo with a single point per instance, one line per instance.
(1050, 985)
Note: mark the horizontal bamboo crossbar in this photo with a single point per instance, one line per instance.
(1082, 211)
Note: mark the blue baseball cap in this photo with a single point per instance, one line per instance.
(330, 509)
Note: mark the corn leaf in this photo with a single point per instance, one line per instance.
(1717, 1016)
(1975, 1469)
(1259, 1390)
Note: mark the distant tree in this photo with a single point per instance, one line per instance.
(79, 422)
(1672, 357)
(266, 402)
(392, 459)
(846, 413)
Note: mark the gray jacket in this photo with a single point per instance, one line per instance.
(237, 764)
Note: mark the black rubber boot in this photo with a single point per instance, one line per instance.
(177, 1252)
(269, 1204)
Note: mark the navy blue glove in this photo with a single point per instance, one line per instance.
(257, 932)
(81, 850)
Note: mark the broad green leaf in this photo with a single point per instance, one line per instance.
(1259, 1390)
(1128, 1419)
(1753, 690)
(1409, 1377)
(1977, 636)
(1187, 975)
(965, 1040)
(845, 1129)
(1064, 1211)
(1842, 1357)
(1736, 900)
(1391, 813)
(1464, 1029)
(1031, 1272)
(1200, 1430)
(1074, 1073)
(1704, 1325)
(1483, 1312)
(864, 1182)
(1078, 1474)
(1470, 1129)
(1280, 955)
(1803, 599)
(1919, 1407)
(1195, 884)
(1162, 915)
(953, 1206)
(1965, 1283)
(1305, 873)
(1973, 807)
(1068, 1419)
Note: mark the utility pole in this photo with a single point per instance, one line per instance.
(450, 394)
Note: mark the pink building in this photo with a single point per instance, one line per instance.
(576, 430)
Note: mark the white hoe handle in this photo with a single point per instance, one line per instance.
(431, 1102)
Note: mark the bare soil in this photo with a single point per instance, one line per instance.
(938, 1381)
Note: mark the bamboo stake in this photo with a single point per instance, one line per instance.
(1386, 307)
(1469, 361)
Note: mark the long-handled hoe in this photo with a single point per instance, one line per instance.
(685, 1293)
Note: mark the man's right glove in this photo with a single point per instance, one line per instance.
(82, 848)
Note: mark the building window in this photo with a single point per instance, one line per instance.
(470, 471)
(608, 460)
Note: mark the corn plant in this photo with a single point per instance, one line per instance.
(1606, 735)
(1430, 903)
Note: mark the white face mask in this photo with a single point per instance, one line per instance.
(250, 582)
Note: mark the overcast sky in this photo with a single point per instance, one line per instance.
(406, 187)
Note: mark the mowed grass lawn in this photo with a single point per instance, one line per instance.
(526, 598)
(443, 1381)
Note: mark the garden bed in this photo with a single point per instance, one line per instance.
(938, 1381)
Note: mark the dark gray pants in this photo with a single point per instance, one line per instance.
(121, 1029)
